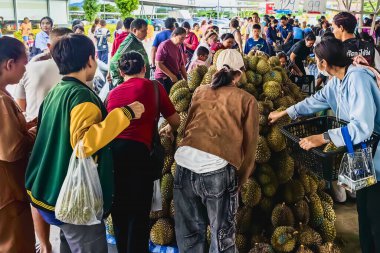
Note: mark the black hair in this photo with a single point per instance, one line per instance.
(61, 31)
(75, 23)
(249, 18)
(291, 21)
(80, 27)
(127, 23)
(256, 26)
(346, 20)
(215, 28)
(332, 51)
(11, 49)
(282, 55)
(72, 52)
(310, 37)
(224, 77)
(202, 51)
(255, 14)
(138, 24)
(209, 22)
(283, 18)
(366, 37)
(234, 23)
(227, 36)
(272, 17)
(186, 25)
(170, 23)
(178, 31)
(48, 18)
(195, 24)
(131, 63)
(275, 21)
(328, 35)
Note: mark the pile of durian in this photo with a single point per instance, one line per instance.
(283, 207)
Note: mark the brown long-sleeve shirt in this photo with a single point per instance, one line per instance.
(15, 146)
(224, 122)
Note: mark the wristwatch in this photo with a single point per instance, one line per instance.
(326, 137)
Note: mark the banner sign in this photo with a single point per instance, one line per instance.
(315, 6)
(290, 5)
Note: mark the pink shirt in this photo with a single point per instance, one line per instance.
(195, 64)
(172, 57)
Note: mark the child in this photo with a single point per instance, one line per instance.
(70, 113)
(256, 41)
(202, 55)
(30, 42)
(102, 35)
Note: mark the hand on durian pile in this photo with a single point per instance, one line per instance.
(275, 116)
(313, 141)
(167, 131)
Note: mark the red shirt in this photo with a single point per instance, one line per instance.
(119, 38)
(192, 40)
(142, 90)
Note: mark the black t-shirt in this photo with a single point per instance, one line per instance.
(354, 47)
(302, 52)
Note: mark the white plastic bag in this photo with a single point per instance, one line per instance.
(356, 170)
(80, 200)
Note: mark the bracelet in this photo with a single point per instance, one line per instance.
(128, 112)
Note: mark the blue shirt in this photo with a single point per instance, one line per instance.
(355, 99)
(41, 41)
(298, 33)
(161, 37)
(307, 30)
(285, 31)
(260, 43)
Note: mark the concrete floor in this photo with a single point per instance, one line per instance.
(347, 227)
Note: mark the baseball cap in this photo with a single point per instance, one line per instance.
(230, 57)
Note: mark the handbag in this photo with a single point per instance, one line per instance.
(157, 152)
(356, 170)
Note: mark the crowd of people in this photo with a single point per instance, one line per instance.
(55, 108)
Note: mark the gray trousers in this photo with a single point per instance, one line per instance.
(203, 198)
(83, 239)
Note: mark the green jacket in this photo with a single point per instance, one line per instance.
(49, 161)
(131, 43)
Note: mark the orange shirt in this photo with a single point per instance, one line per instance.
(26, 28)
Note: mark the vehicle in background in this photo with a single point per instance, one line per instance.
(158, 24)
(223, 24)
(112, 21)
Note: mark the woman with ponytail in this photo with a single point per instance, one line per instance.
(216, 156)
(131, 152)
(235, 31)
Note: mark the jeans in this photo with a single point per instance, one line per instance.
(103, 56)
(133, 195)
(369, 223)
(200, 199)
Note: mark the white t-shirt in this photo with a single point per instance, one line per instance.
(198, 161)
(40, 77)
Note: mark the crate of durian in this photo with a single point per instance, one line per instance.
(324, 161)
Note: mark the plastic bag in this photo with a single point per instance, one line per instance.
(357, 170)
(80, 200)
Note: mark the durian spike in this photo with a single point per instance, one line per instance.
(330, 246)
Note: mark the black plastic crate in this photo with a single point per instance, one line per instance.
(324, 164)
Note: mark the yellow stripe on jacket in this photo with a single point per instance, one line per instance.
(86, 124)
